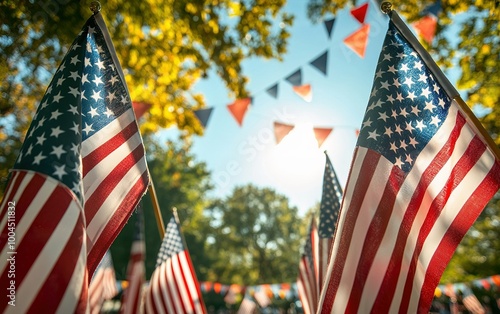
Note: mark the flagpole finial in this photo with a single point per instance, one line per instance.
(95, 7)
(386, 7)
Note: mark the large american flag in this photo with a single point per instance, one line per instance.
(173, 287)
(103, 284)
(328, 216)
(83, 147)
(132, 296)
(421, 174)
(307, 281)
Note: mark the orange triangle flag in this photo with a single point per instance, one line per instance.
(358, 40)
(426, 27)
(359, 13)
(281, 130)
(238, 109)
(321, 134)
(304, 91)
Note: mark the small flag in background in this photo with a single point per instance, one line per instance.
(358, 41)
(422, 172)
(173, 287)
(239, 108)
(470, 300)
(328, 215)
(136, 272)
(103, 284)
(307, 282)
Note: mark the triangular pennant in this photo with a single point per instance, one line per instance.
(273, 90)
(140, 108)
(426, 27)
(433, 9)
(358, 40)
(304, 91)
(356, 132)
(320, 62)
(359, 13)
(203, 115)
(329, 26)
(295, 78)
(238, 109)
(321, 134)
(281, 130)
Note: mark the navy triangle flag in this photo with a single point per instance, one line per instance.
(329, 26)
(320, 62)
(273, 90)
(295, 78)
(203, 115)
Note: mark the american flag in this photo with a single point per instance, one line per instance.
(421, 174)
(470, 301)
(83, 147)
(307, 282)
(103, 284)
(132, 296)
(173, 287)
(247, 306)
(328, 216)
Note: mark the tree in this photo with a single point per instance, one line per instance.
(256, 237)
(164, 48)
(182, 182)
(475, 52)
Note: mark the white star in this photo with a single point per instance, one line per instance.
(74, 91)
(89, 48)
(408, 159)
(87, 62)
(82, 95)
(75, 128)
(74, 75)
(85, 78)
(383, 116)
(408, 81)
(73, 109)
(398, 129)
(75, 46)
(420, 125)
(93, 112)
(56, 132)
(429, 106)
(409, 127)
(435, 120)
(74, 60)
(113, 80)
(379, 73)
(60, 81)
(436, 87)
(403, 112)
(399, 97)
(373, 135)
(413, 142)
(414, 54)
(388, 131)
(403, 145)
(108, 112)
(100, 65)
(398, 162)
(49, 90)
(99, 49)
(124, 100)
(38, 158)
(28, 151)
(96, 96)
(385, 85)
(97, 80)
(91, 30)
(111, 97)
(387, 57)
(400, 55)
(404, 67)
(394, 148)
(390, 99)
(396, 83)
(422, 77)
(112, 66)
(418, 65)
(394, 113)
(59, 171)
(441, 103)
(88, 128)
(392, 69)
(367, 123)
(41, 122)
(44, 104)
(57, 150)
(415, 110)
(55, 114)
(426, 92)
(58, 97)
(75, 148)
(411, 95)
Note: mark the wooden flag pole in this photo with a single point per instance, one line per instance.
(156, 207)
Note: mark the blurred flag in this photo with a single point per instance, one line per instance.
(132, 296)
(103, 284)
(471, 302)
(173, 286)
(426, 26)
(328, 216)
(304, 91)
(239, 109)
(358, 41)
(307, 282)
(82, 147)
(422, 172)
(247, 306)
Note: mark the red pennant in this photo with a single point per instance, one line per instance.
(217, 287)
(357, 132)
(358, 40)
(304, 91)
(281, 130)
(359, 13)
(321, 134)
(426, 27)
(238, 109)
(140, 108)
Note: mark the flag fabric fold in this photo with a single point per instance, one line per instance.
(422, 171)
(103, 284)
(173, 287)
(82, 147)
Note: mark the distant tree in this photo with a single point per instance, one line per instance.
(475, 52)
(255, 238)
(180, 181)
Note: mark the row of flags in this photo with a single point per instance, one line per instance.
(423, 170)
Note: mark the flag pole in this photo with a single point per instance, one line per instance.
(156, 207)
(386, 7)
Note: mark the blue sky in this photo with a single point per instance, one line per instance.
(248, 154)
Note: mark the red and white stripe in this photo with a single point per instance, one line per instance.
(132, 296)
(397, 232)
(324, 251)
(174, 288)
(307, 282)
(50, 246)
(115, 176)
